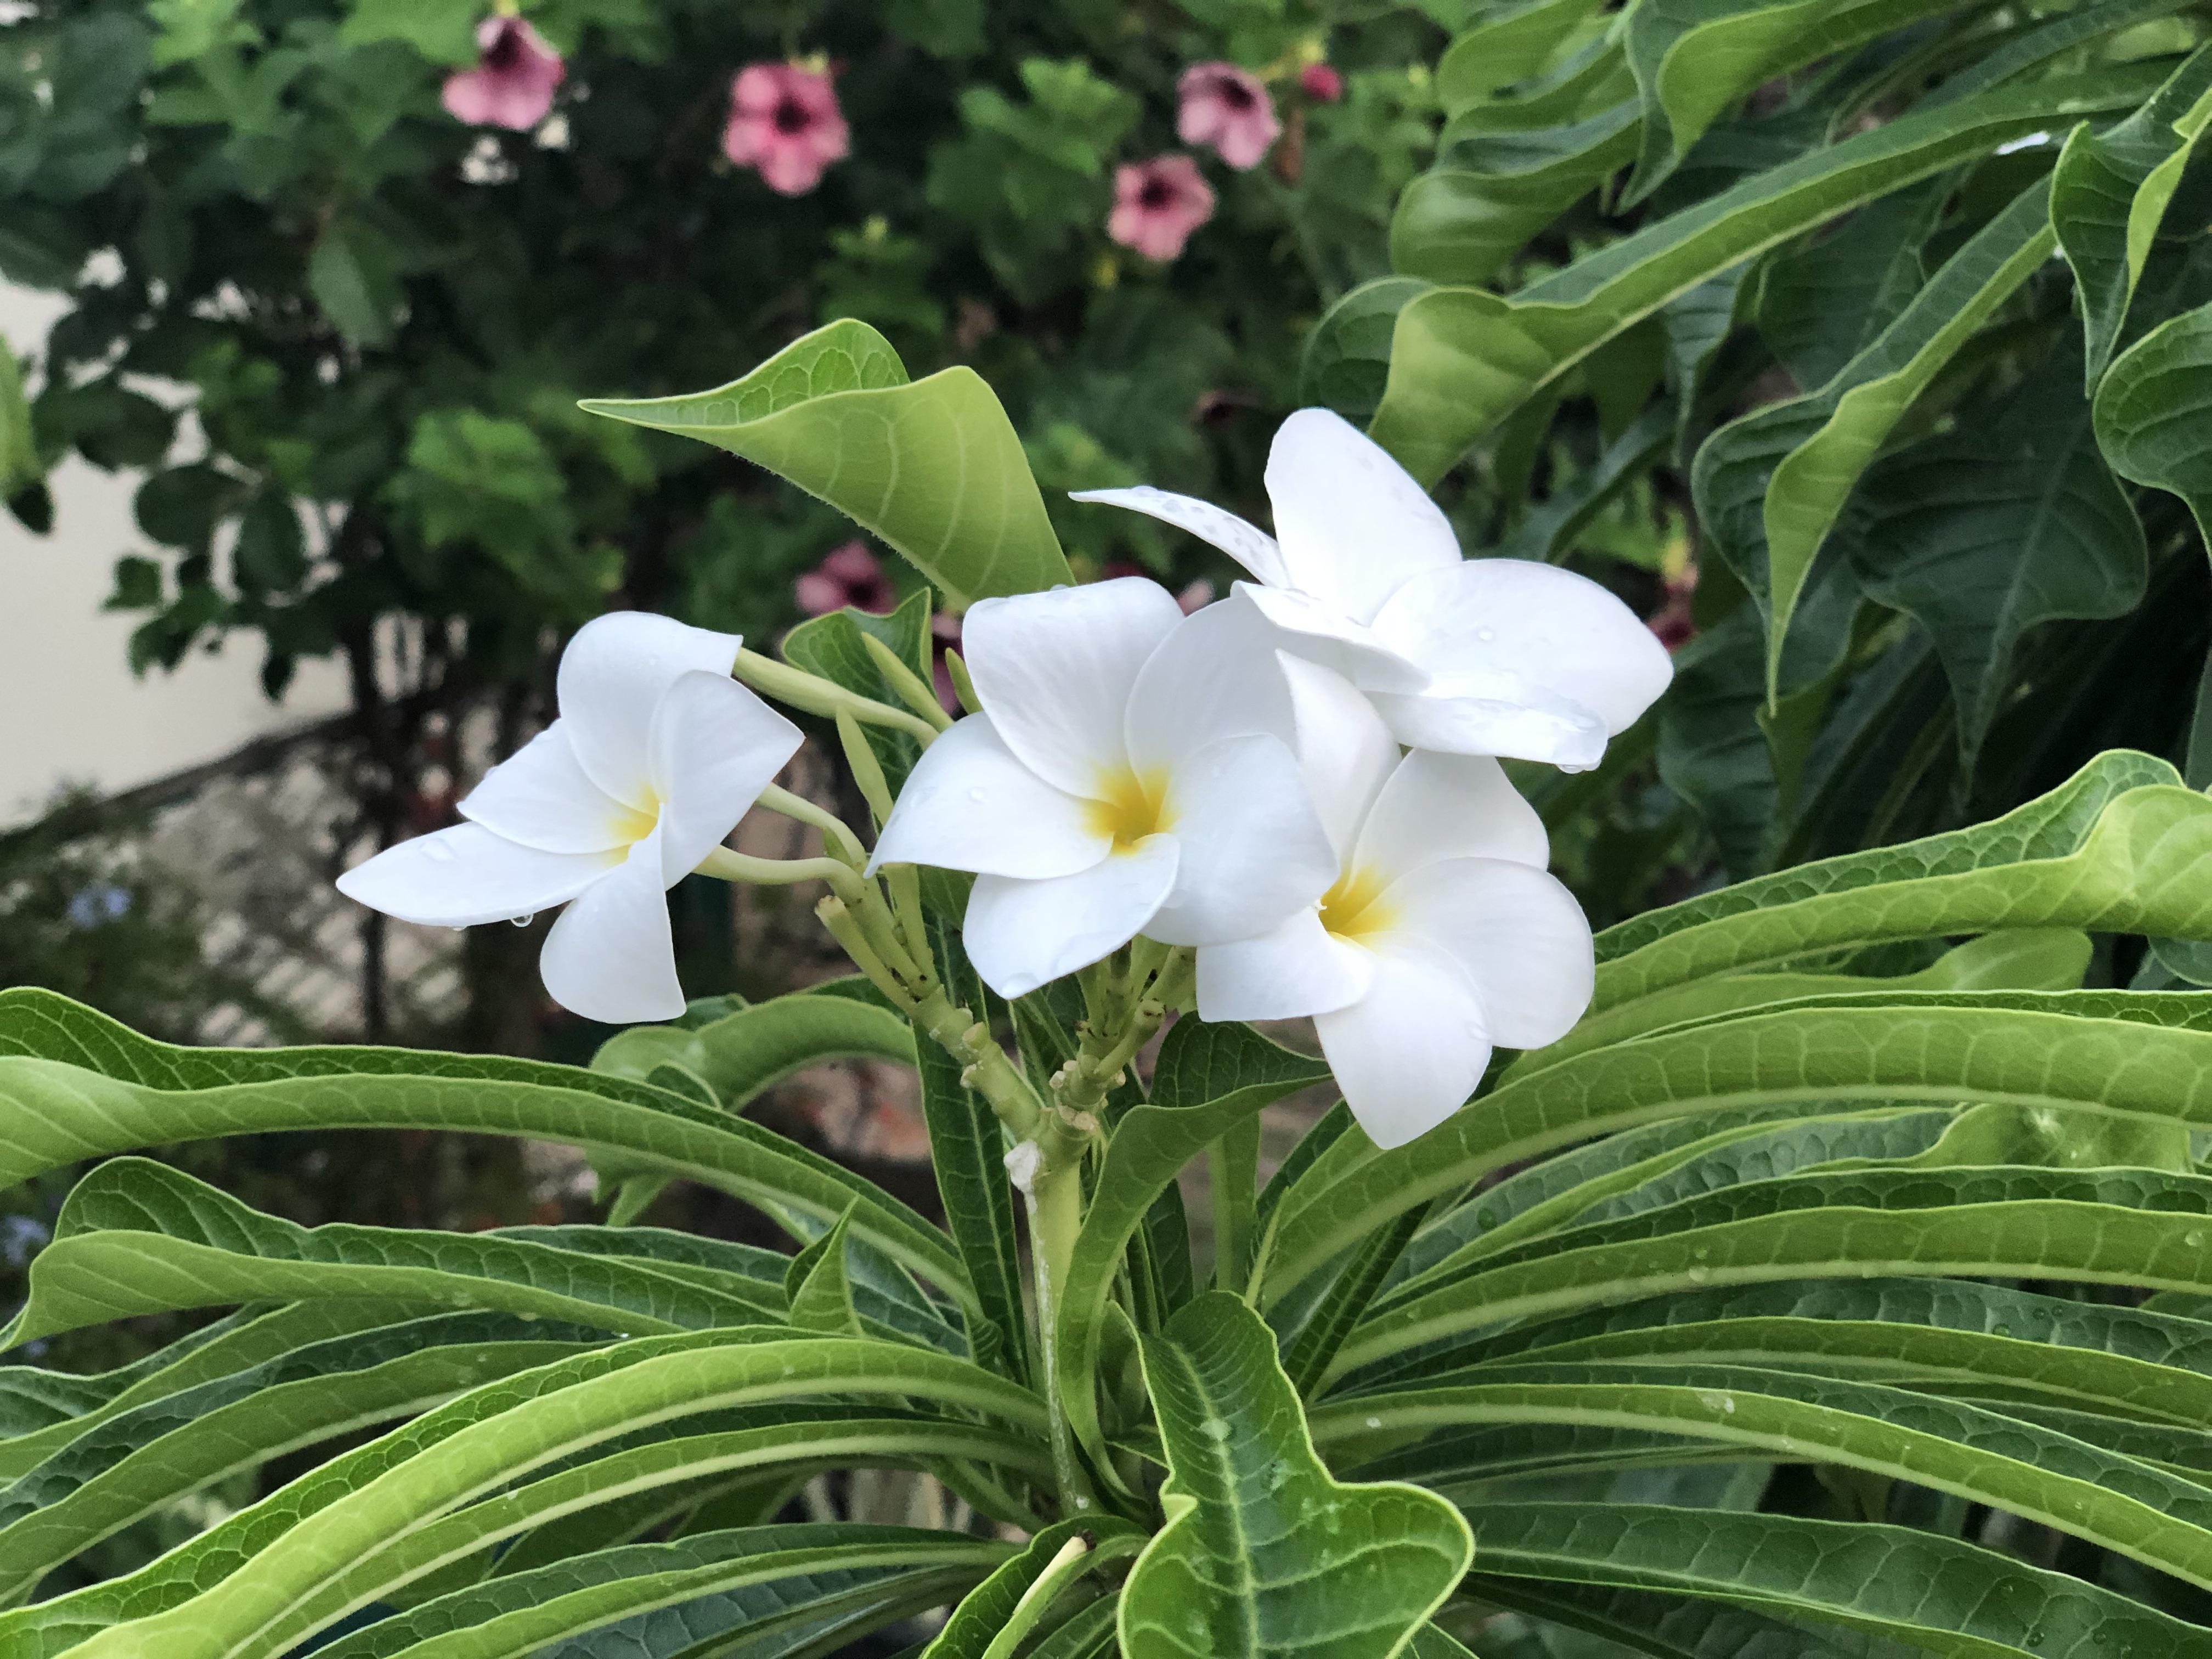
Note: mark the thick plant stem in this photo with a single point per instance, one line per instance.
(726, 864)
(1056, 1206)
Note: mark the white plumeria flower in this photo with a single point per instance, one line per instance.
(1443, 934)
(1132, 771)
(655, 757)
(1471, 656)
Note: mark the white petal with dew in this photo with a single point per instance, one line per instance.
(1409, 1053)
(611, 679)
(1344, 748)
(1548, 627)
(1215, 676)
(1352, 524)
(542, 797)
(1299, 968)
(1495, 714)
(1022, 934)
(1253, 848)
(1518, 935)
(1320, 633)
(1242, 541)
(1055, 671)
(714, 747)
(1437, 805)
(612, 955)
(970, 805)
(459, 877)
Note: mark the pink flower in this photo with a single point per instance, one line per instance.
(1320, 83)
(943, 637)
(849, 574)
(1228, 110)
(512, 85)
(785, 121)
(1158, 204)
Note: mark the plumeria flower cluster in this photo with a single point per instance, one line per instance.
(1284, 804)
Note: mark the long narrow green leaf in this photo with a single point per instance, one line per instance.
(1263, 1552)
(974, 1626)
(1919, 1588)
(933, 467)
(2091, 1491)
(743, 1053)
(1209, 1078)
(1462, 359)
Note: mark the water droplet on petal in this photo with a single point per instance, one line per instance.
(976, 796)
(522, 920)
(1485, 634)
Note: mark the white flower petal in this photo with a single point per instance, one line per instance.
(1448, 806)
(1409, 1053)
(1217, 676)
(541, 796)
(1320, 633)
(612, 955)
(611, 679)
(1299, 968)
(1253, 848)
(1518, 935)
(1244, 542)
(1495, 714)
(713, 747)
(459, 877)
(1550, 628)
(1022, 934)
(1054, 671)
(1344, 748)
(970, 805)
(1352, 525)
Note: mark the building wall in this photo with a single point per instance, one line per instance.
(70, 713)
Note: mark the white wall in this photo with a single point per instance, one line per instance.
(70, 710)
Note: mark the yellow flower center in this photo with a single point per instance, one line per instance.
(630, 824)
(1353, 906)
(1128, 806)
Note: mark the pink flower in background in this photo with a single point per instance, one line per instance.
(1226, 109)
(1320, 83)
(943, 637)
(1158, 204)
(512, 85)
(785, 121)
(849, 574)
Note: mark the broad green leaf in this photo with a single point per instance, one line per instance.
(2094, 1492)
(933, 465)
(1263, 1552)
(143, 1093)
(1490, 193)
(1824, 302)
(1509, 46)
(967, 1155)
(131, 1463)
(476, 1455)
(1771, 486)
(1693, 58)
(744, 1053)
(1669, 1626)
(973, 1630)
(1462, 360)
(2002, 1222)
(658, 1600)
(2102, 1050)
(1346, 361)
(1929, 1591)
(139, 1237)
(2109, 195)
(2116, 848)
(2009, 520)
(2146, 411)
(1208, 1079)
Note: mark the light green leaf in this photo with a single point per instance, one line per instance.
(974, 1630)
(441, 33)
(1930, 1591)
(658, 1600)
(1462, 360)
(1512, 46)
(1208, 1079)
(1264, 1554)
(1667, 1626)
(1770, 487)
(744, 1053)
(20, 466)
(932, 466)
(821, 1295)
(2147, 411)
(2109, 195)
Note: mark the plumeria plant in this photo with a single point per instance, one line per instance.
(1765, 1275)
